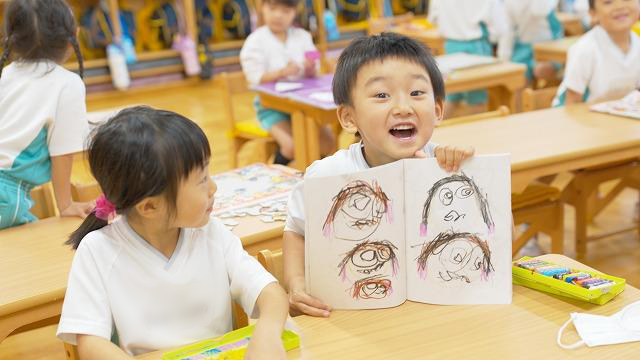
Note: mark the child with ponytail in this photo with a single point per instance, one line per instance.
(43, 118)
(151, 265)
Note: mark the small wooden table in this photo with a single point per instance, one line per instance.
(431, 38)
(307, 114)
(571, 23)
(421, 331)
(555, 50)
(34, 265)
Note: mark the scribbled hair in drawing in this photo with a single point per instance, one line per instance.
(483, 205)
(458, 257)
(370, 256)
(372, 287)
(367, 192)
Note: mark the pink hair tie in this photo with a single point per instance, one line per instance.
(104, 209)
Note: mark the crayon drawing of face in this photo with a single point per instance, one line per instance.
(455, 256)
(369, 257)
(373, 287)
(357, 211)
(456, 202)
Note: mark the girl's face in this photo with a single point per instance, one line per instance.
(616, 15)
(195, 199)
(277, 17)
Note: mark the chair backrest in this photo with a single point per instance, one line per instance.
(273, 262)
(85, 192)
(378, 25)
(538, 99)
(501, 111)
(44, 205)
(232, 83)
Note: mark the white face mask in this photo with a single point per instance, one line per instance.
(595, 330)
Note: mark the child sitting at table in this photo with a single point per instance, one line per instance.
(469, 26)
(603, 64)
(274, 52)
(533, 21)
(388, 90)
(164, 272)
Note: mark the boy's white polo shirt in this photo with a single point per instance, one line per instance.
(117, 278)
(598, 67)
(344, 161)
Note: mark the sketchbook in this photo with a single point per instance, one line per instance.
(410, 231)
(452, 62)
(628, 106)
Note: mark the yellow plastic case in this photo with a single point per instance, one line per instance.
(551, 285)
(230, 346)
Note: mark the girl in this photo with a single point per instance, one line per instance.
(43, 119)
(162, 274)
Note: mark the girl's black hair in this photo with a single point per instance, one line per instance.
(37, 30)
(142, 152)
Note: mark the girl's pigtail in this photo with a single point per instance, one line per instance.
(76, 48)
(90, 223)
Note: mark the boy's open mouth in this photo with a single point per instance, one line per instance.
(403, 131)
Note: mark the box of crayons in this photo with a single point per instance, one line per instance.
(591, 286)
(230, 346)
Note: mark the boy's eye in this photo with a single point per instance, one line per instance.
(381, 95)
(417, 93)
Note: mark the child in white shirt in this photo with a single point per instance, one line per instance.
(470, 26)
(604, 63)
(164, 273)
(389, 90)
(276, 51)
(43, 116)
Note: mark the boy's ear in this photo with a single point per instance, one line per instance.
(439, 110)
(149, 207)
(347, 118)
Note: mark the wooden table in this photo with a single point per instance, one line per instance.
(34, 265)
(525, 329)
(555, 50)
(502, 79)
(549, 141)
(572, 23)
(431, 38)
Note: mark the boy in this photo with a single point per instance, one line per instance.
(603, 64)
(390, 91)
(276, 51)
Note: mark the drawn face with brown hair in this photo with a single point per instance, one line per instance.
(357, 211)
(369, 257)
(373, 287)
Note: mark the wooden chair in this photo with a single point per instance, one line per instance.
(273, 262)
(85, 192)
(44, 205)
(501, 111)
(246, 130)
(538, 99)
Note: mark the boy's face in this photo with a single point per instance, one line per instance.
(195, 199)
(616, 15)
(277, 17)
(394, 109)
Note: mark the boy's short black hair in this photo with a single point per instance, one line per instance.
(592, 4)
(379, 47)
(287, 3)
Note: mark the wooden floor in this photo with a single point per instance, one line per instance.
(618, 255)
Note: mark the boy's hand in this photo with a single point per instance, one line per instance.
(265, 344)
(304, 303)
(291, 69)
(449, 157)
(79, 209)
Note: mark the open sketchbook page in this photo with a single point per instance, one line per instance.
(354, 242)
(459, 231)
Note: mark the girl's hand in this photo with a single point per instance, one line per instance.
(450, 157)
(265, 344)
(300, 301)
(79, 209)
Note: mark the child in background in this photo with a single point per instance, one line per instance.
(43, 117)
(533, 21)
(470, 26)
(604, 63)
(164, 273)
(273, 52)
(389, 90)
